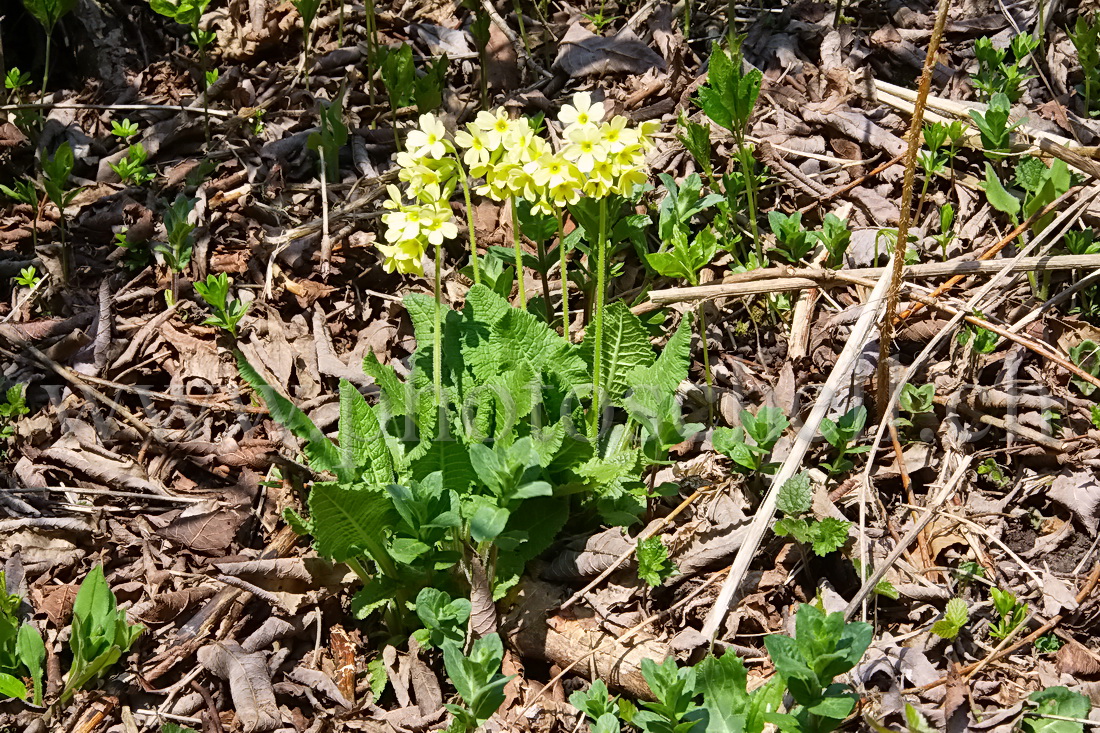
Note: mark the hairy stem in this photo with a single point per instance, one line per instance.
(469, 215)
(541, 245)
(437, 335)
(564, 275)
(519, 257)
(601, 296)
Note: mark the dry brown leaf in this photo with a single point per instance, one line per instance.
(1078, 491)
(205, 530)
(249, 683)
(581, 54)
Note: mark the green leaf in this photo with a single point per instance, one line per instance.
(363, 449)
(828, 535)
(393, 389)
(321, 452)
(999, 197)
(348, 521)
(12, 687)
(49, 12)
(651, 384)
(625, 347)
(795, 495)
(653, 563)
(723, 682)
(32, 653)
(955, 617)
(1059, 701)
(100, 632)
(477, 677)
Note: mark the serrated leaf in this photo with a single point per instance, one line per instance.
(393, 389)
(795, 495)
(625, 347)
(363, 450)
(650, 384)
(653, 563)
(829, 535)
(349, 521)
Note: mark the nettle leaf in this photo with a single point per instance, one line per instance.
(828, 535)
(654, 567)
(955, 617)
(625, 347)
(321, 452)
(795, 495)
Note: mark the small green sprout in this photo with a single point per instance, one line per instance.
(994, 75)
(994, 128)
(1086, 39)
(48, 13)
(1048, 644)
(124, 130)
(227, 313)
(16, 79)
(955, 617)
(840, 435)
(916, 401)
(795, 502)
(835, 237)
(1010, 613)
(14, 405)
(995, 473)
(947, 234)
(131, 169)
(177, 250)
(27, 277)
(794, 241)
(654, 567)
(331, 137)
(1086, 355)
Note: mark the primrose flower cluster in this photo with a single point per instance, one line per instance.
(596, 159)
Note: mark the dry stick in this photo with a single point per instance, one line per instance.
(765, 513)
(948, 490)
(992, 251)
(849, 186)
(779, 279)
(1006, 424)
(645, 535)
(119, 107)
(997, 654)
(1038, 347)
(886, 332)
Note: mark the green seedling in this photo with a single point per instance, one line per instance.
(131, 169)
(696, 140)
(27, 277)
(22, 651)
(595, 702)
(823, 648)
(331, 136)
(308, 10)
(882, 588)
(56, 170)
(1086, 39)
(840, 435)
(12, 407)
(124, 130)
(137, 254)
(764, 429)
(795, 501)
(598, 20)
(728, 99)
(227, 313)
(15, 80)
(100, 632)
(23, 191)
(48, 13)
(835, 238)
(983, 340)
(405, 86)
(969, 570)
(955, 617)
(994, 75)
(793, 239)
(947, 233)
(1082, 242)
(1058, 703)
(189, 13)
(478, 680)
(212, 77)
(994, 128)
(654, 567)
(177, 250)
(995, 472)
(915, 401)
(1087, 356)
(1010, 613)
(1094, 415)
(1048, 644)
(444, 619)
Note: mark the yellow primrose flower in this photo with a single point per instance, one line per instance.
(616, 135)
(585, 148)
(439, 225)
(405, 223)
(600, 179)
(496, 126)
(628, 179)
(565, 194)
(406, 257)
(552, 170)
(645, 131)
(473, 141)
(582, 112)
(429, 139)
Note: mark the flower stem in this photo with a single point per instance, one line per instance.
(545, 281)
(706, 362)
(519, 257)
(469, 216)
(601, 284)
(437, 333)
(564, 276)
